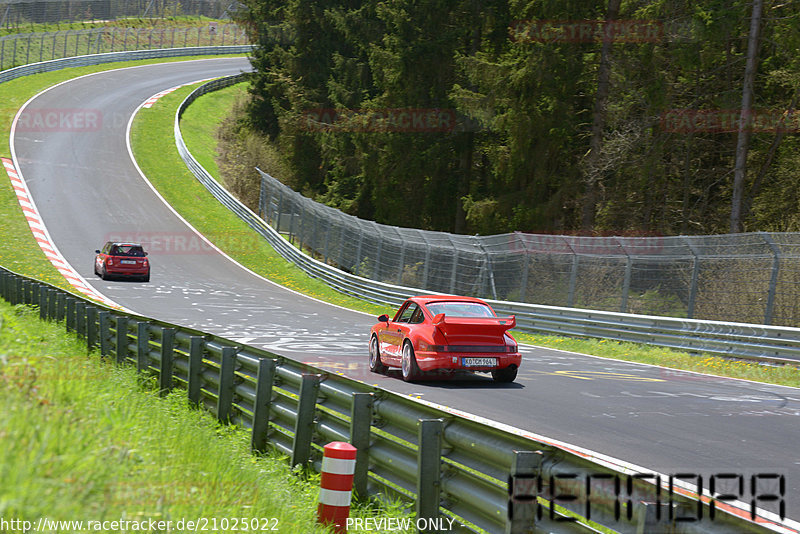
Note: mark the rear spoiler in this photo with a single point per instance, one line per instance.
(441, 320)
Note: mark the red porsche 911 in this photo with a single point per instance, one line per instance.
(444, 333)
(122, 259)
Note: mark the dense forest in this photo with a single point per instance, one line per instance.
(630, 117)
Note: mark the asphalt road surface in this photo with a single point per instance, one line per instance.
(88, 190)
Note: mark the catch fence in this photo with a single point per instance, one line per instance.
(15, 14)
(23, 49)
(748, 278)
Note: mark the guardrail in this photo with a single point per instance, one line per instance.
(485, 478)
(762, 343)
(110, 57)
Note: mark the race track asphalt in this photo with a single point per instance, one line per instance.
(88, 191)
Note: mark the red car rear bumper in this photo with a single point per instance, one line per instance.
(429, 361)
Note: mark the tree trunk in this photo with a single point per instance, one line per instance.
(591, 168)
(743, 140)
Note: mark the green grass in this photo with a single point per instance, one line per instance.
(82, 438)
(154, 147)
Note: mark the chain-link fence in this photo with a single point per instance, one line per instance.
(753, 278)
(22, 49)
(18, 13)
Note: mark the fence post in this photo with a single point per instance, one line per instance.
(773, 280)
(304, 425)
(61, 306)
(122, 339)
(71, 314)
(695, 276)
(91, 327)
(429, 464)
(523, 492)
(573, 275)
(142, 345)
(261, 407)
(360, 426)
(227, 371)
(167, 358)
(80, 318)
(42, 299)
(195, 369)
(626, 283)
(105, 333)
(52, 297)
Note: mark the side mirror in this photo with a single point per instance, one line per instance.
(146, 253)
(97, 252)
(383, 318)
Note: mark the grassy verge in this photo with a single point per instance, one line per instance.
(82, 438)
(18, 250)
(153, 144)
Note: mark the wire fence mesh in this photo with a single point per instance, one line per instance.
(752, 278)
(18, 13)
(22, 49)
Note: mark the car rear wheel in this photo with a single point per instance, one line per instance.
(509, 374)
(103, 273)
(409, 365)
(375, 363)
(146, 278)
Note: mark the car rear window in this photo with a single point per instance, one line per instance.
(461, 309)
(123, 250)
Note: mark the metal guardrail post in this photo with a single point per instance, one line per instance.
(429, 466)
(80, 318)
(167, 359)
(304, 424)
(651, 518)
(91, 327)
(61, 306)
(360, 427)
(523, 492)
(121, 345)
(105, 333)
(52, 304)
(265, 377)
(71, 314)
(41, 299)
(26, 291)
(227, 371)
(142, 345)
(195, 369)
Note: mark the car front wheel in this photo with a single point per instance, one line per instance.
(375, 363)
(409, 366)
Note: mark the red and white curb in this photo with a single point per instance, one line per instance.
(43, 238)
(155, 98)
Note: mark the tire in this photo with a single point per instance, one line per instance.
(509, 374)
(375, 363)
(146, 278)
(409, 367)
(103, 273)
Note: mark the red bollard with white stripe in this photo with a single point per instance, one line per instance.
(338, 466)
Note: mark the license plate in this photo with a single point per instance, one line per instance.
(478, 362)
(129, 262)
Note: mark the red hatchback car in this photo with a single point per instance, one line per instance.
(122, 259)
(444, 333)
